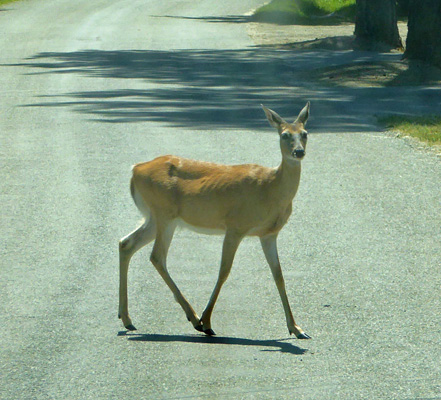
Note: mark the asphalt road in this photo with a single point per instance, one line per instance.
(88, 88)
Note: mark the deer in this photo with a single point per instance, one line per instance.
(235, 201)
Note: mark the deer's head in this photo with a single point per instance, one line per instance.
(293, 137)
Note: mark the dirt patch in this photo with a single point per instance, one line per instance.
(340, 38)
(297, 36)
(378, 74)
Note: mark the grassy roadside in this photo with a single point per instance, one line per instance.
(306, 11)
(426, 129)
(3, 2)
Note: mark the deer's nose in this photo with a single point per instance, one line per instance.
(299, 153)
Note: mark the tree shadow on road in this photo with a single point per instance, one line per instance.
(221, 89)
(227, 19)
(282, 345)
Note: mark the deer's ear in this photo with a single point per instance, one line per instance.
(274, 119)
(304, 114)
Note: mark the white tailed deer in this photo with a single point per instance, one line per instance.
(235, 200)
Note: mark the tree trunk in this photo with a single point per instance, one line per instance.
(376, 21)
(424, 35)
(403, 7)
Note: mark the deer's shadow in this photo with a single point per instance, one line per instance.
(282, 345)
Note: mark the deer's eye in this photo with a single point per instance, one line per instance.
(286, 135)
(304, 135)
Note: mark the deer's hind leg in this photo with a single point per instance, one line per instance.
(128, 246)
(164, 235)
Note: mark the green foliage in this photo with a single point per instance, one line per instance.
(306, 11)
(330, 6)
(425, 128)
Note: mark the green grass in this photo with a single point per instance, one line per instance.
(329, 6)
(305, 11)
(425, 128)
(3, 2)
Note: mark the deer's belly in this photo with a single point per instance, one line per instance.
(201, 229)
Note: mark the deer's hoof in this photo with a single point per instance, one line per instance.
(199, 328)
(303, 336)
(131, 327)
(209, 332)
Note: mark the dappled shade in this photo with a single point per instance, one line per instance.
(202, 89)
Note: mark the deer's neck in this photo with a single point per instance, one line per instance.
(287, 179)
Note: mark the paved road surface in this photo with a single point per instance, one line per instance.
(89, 88)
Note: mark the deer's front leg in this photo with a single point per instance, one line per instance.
(230, 245)
(269, 246)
